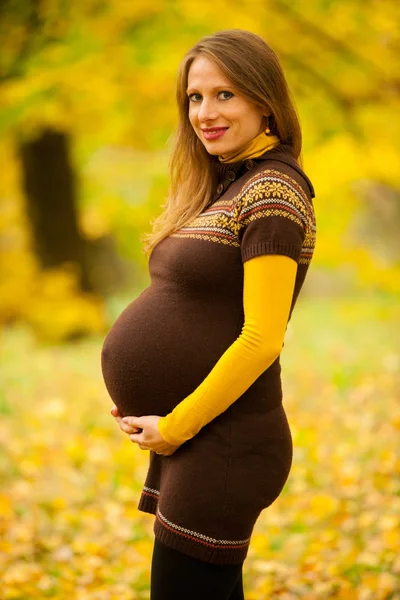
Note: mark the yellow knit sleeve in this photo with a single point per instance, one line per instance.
(267, 295)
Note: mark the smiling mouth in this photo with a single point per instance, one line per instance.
(214, 133)
(214, 129)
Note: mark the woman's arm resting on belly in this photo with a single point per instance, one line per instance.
(267, 295)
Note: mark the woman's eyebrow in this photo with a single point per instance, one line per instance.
(190, 90)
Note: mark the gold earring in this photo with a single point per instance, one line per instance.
(267, 130)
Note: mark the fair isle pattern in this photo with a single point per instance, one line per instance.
(273, 193)
(268, 193)
(199, 537)
(150, 492)
(215, 224)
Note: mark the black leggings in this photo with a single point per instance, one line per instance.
(177, 576)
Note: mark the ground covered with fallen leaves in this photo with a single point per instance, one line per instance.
(71, 480)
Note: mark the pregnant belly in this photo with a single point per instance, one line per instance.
(156, 354)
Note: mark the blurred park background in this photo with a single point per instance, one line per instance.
(87, 111)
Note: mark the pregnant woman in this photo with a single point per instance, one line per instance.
(193, 364)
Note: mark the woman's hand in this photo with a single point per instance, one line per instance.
(144, 432)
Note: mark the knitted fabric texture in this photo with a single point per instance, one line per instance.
(207, 496)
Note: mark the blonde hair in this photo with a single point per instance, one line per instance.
(254, 69)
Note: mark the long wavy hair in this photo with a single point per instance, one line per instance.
(254, 69)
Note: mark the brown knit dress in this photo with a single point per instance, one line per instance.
(207, 496)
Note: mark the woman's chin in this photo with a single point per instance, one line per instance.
(216, 149)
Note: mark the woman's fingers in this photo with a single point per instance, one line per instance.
(128, 428)
(124, 426)
(116, 414)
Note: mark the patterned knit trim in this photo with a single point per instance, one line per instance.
(271, 247)
(224, 238)
(278, 194)
(150, 492)
(267, 193)
(199, 537)
(279, 176)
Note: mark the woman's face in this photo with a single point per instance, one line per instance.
(223, 119)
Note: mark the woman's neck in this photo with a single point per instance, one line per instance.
(254, 148)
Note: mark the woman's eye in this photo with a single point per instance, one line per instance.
(194, 97)
(222, 95)
(226, 95)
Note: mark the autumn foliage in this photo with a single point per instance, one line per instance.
(103, 75)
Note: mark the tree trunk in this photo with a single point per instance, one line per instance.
(50, 191)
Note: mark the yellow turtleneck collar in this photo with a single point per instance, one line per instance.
(255, 147)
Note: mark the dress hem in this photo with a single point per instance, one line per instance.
(202, 550)
(148, 503)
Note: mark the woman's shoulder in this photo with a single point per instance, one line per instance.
(280, 167)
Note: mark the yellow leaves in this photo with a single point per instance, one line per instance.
(323, 505)
(259, 542)
(335, 169)
(58, 503)
(392, 538)
(341, 154)
(76, 451)
(124, 11)
(20, 573)
(53, 408)
(89, 548)
(221, 15)
(6, 509)
(109, 78)
(59, 311)
(93, 223)
(396, 417)
(50, 301)
(337, 526)
(70, 527)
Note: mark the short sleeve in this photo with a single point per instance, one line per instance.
(272, 214)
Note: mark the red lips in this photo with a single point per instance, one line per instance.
(213, 133)
(213, 129)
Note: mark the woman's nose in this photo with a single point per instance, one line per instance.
(207, 111)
